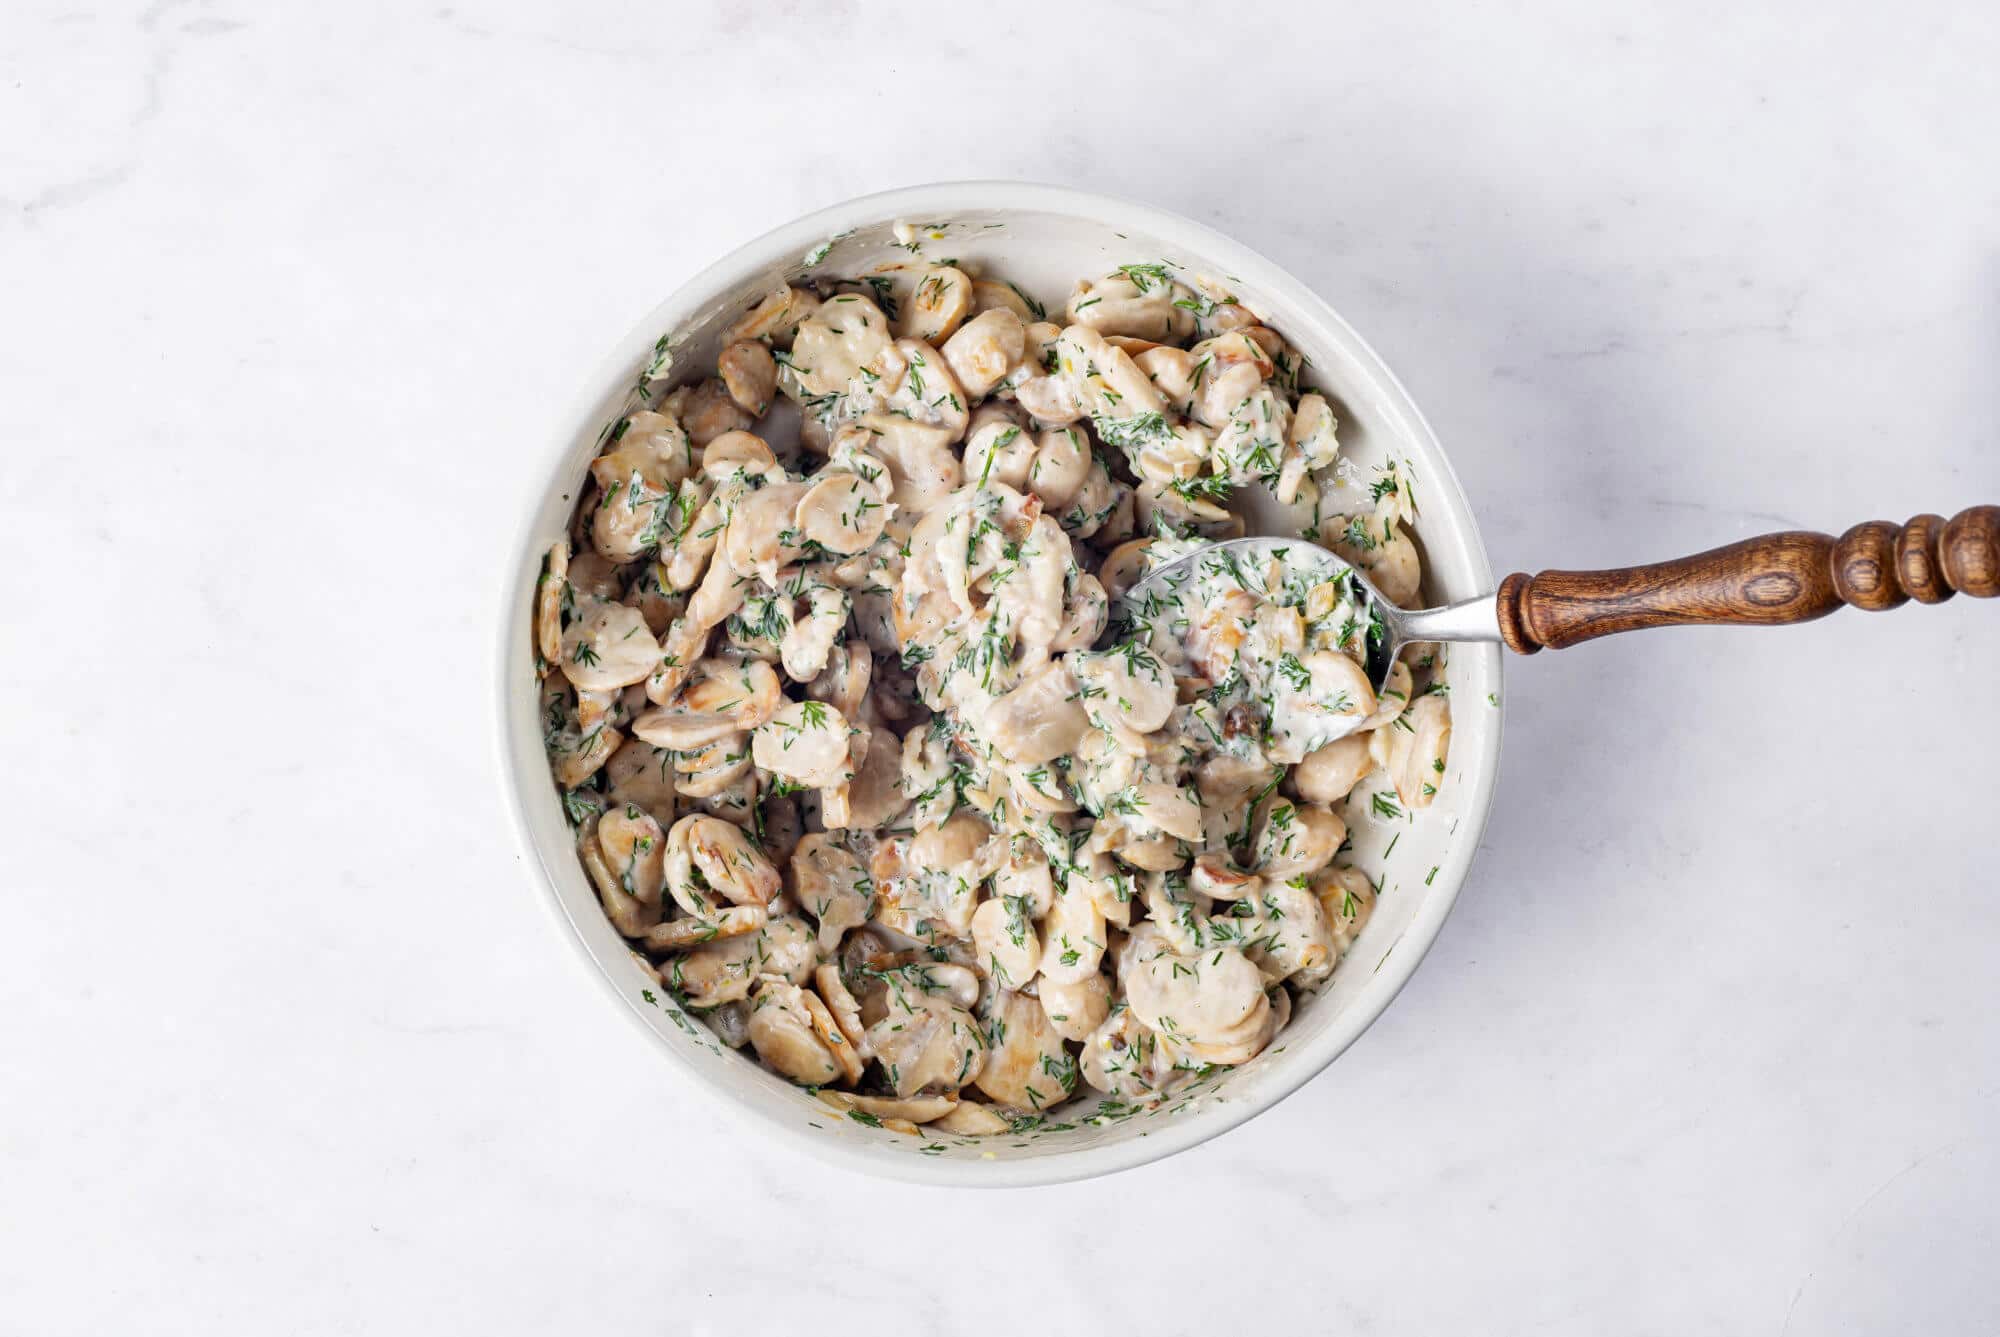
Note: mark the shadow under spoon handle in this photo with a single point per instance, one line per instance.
(1778, 578)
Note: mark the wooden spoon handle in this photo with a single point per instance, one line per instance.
(1790, 577)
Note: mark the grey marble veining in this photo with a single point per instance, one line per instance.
(288, 289)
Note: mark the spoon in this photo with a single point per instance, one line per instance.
(1794, 576)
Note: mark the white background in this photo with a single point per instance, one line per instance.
(289, 294)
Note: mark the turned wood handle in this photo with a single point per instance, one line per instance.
(1790, 577)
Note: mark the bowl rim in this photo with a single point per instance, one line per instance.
(942, 199)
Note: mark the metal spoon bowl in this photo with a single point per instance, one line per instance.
(1390, 627)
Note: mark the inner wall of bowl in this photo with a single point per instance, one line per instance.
(1419, 862)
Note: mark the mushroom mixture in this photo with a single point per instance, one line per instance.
(858, 761)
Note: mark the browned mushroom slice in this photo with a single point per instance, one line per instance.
(714, 768)
(723, 971)
(1291, 839)
(549, 598)
(833, 1037)
(678, 935)
(972, 1119)
(623, 852)
(710, 863)
(941, 302)
(1075, 1010)
(749, 375)
(914, 1110)
(643, 774)
(1027, 1066)
(840, 1002)
(1136, 301)
(927, 1044)
(1004, 932)
(984, 350)
(607, 647)
(719, 698)
(775, 318)
(841, 512)
(805, 742)
(1329, 774)
(782, 1032)
(832, 885)
(709, 412)
(1417, 755)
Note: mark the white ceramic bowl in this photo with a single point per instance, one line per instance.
(1043, 238)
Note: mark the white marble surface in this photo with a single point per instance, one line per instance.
(285, 291)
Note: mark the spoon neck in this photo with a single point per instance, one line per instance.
(1468, 620)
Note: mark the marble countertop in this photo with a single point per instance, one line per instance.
(1710, 1043)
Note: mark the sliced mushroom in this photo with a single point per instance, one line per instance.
(843, 683)
(1385, 554)
(550, 592)
(1392, 700)
(1003, 929)
(1213, 998)
(1000, 451)
(713, 768)
(775, 318)
(607, 646)
(832, 885)
(1417, 754)
(923, 468)
(679, 935)
(1287, 936)
(749, 375)
(1062, 463)
(1141, 301)
(984, 350)
(969, 1118)
(1173, 370)
(783, 1033)
(1073, 937)
(1216, 876)
(637, 479)
(1328, 774)
(846, 1012)
(722, 971)
(623, 851)
(1236, 367)
(642, 774)
(841, 512)
(873, 795)
(1121, 401)
(805, 742)
(1122, 1058)
(1127, 685)
(1076, 1009)
(846, 336)
(711, 862)
(1292, 839)
(941, 302)
(1336, 699)
(760, 536)
(926, 1044)
(1026, 1064)
(1314, 432)
(998, 294)
(1039, 719)
(719, 699)
(915, 1110)
(818, 618)
(576, 752)
(1346, 900)
(709, 412)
